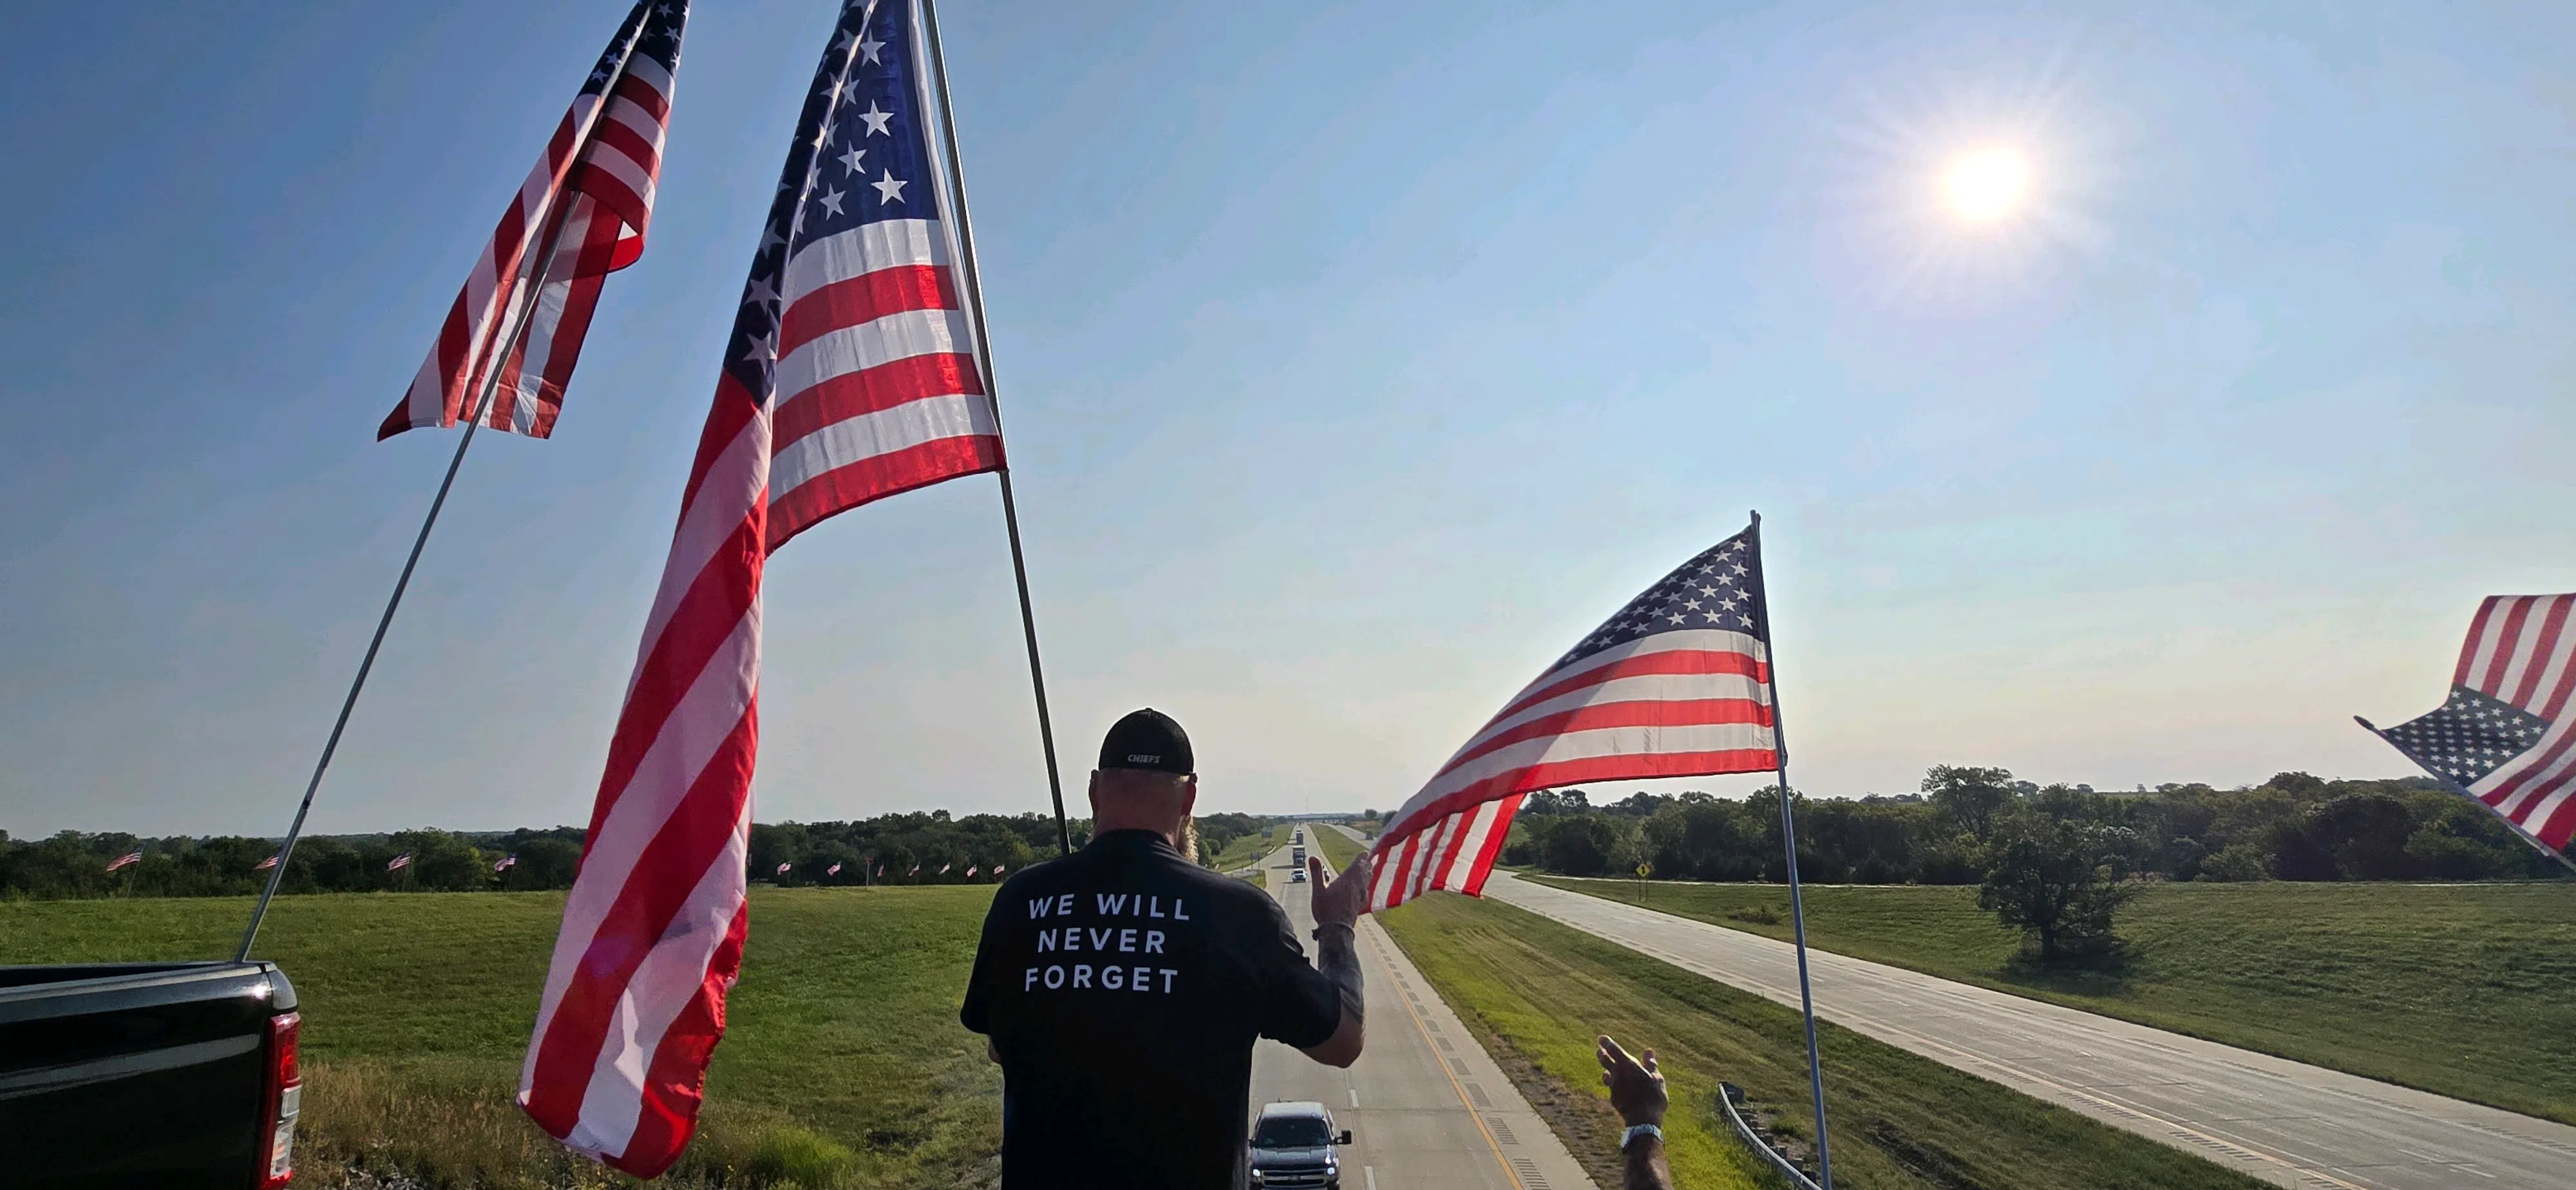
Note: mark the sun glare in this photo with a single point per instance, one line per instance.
(1987, 186)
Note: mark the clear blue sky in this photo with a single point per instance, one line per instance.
(1356, 358)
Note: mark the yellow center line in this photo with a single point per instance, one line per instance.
(1431, 1047)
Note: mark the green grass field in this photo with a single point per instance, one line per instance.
(2462, 990)
(1898, 1120)
(844, 1064)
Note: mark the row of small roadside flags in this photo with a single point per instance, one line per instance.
(835, 869)
(397, 863)
(507, 862)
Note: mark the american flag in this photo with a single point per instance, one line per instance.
(999, 869)
(970, 871)
(782, 868)
(265, 864)
(834, 870)
(505, 862)
(126, 860)
(916, 870)
(851, 374)
(943, 868)
(607, 163)
(2507, 736)
(1678, 684)
(399, 861)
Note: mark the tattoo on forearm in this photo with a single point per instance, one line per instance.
(1337, 956)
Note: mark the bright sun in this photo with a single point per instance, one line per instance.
(1988, 185)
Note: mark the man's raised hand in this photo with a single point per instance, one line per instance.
(1636, 1088)
(1345, 899)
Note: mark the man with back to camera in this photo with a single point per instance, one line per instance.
(1121, 988)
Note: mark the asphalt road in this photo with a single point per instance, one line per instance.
(2282, 1121)
(1427, 1109)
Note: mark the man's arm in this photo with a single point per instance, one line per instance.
(1637, 1091)
(1337, 907)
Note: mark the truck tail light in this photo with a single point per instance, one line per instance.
(285, 1098)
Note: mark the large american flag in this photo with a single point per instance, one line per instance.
(851, 374)
(1678, 684)
(2507, 736)
(606, 163)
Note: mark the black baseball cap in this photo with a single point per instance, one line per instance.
(1148, 739)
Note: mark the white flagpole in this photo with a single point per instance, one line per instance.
(533, 273)
(1797, 905)
(2455, 787)
(983, 344)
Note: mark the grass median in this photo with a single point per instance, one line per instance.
(1898, 1120)
(1339, 849)
(1248, 849)
(2462, 990)
(844, 1065)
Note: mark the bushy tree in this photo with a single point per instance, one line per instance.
(1587, 846)
(1969, 797)
(2056, 881)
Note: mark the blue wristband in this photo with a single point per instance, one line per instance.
(1636, 1130)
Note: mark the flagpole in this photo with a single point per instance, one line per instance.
(1797, 905)
(2455, 787)
(534, 273)
(983, 343)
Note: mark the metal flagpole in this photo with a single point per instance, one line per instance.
(2455, 787)
(1797, 906)
(1010, 508)
(534, 273)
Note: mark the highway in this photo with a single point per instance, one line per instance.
(2284, 1122)
(1427, 1109)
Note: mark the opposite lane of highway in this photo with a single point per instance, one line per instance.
(2285, 1122)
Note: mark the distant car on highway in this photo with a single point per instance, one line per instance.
(1292, 1145)
(1296, 875)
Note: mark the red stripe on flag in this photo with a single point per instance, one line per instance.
(706, 618)
(863, 299)
(1456, 842)
(1511, 808)
(1640, 767)
(2508, 643)
(873, 390)
(878, 477)
(645, 95)
(2557, 697)
(1669, 662)
(2477, 633)
(1697, 712)
(690, 839)
(675, 1082)
(624, 139)
(2553, 623)
(2559, 827)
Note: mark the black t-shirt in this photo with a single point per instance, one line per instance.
(1123, 986)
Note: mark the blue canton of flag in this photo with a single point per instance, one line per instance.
(2470, 737)
(1721, 588)
(855, 327)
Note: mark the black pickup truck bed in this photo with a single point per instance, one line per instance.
(147, 1075)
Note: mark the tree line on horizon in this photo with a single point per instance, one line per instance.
(911, 848)
(2293, 826)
